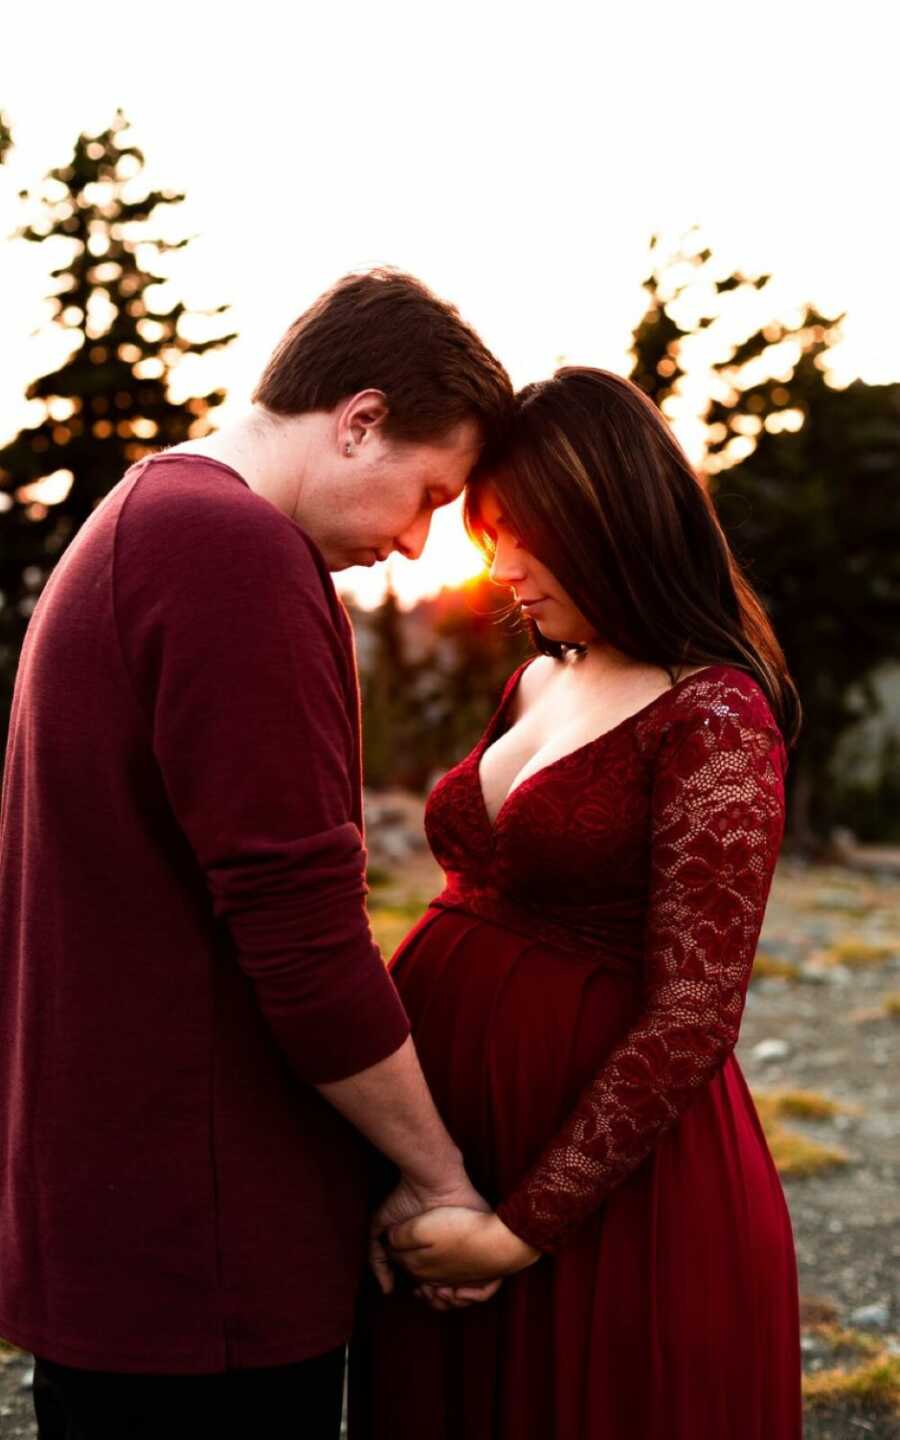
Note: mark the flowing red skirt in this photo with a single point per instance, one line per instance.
(672, 1315)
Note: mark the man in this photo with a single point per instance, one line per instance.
(195, 1024)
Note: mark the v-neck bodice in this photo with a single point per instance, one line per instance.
(568, 854)
(497, 728)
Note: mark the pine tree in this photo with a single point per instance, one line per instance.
(659, 352)
(108, 404)
(806, 481)
(815, 512)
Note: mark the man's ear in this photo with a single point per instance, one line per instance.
(361, 418)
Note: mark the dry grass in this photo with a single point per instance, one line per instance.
(875, 1385)
(810, 1105)
(816, 1310)
(794, 1154)
(774, 967)
(391, 922)
(857, 954)
(891, 1004)
(851, 1342)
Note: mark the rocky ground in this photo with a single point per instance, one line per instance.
(828, 1027)
(819, 1049)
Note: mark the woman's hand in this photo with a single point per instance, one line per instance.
(453, 1246)
(407, 1201)
(457, 1297)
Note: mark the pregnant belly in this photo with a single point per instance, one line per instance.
(508, 1031)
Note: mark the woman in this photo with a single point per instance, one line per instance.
(576, 990)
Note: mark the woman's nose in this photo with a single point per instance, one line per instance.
(506, 568)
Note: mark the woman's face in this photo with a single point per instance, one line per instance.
(534, 587)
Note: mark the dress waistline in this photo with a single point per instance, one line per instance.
(616, 953)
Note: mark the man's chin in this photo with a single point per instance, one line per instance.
(364, 560)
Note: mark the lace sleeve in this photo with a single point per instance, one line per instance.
(717, 822)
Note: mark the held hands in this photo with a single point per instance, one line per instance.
(408, 1201)
(449, 1238)
(460, 1254)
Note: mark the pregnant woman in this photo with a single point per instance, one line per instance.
(576, 990)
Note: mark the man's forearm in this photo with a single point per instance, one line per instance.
(391, 1105)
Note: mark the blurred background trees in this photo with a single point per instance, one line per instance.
(805, 477)
(106, 234)
(806, 481)
(431, 678)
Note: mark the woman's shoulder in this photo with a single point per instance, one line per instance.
(720, 688)
(724, 702)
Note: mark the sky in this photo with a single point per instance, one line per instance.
(517, 158)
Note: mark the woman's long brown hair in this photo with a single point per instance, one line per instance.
(599, 490)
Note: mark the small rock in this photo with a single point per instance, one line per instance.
(811, 976)
(876, 1316)
(771, 1050)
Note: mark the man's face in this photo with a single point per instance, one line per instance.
(381, 497)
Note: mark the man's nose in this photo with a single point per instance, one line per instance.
(412, 542)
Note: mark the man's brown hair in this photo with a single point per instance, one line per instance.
(383, 330)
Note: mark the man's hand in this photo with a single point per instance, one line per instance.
(453, 1246)
(409, 1200)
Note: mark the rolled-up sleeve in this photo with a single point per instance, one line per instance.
(235, 658)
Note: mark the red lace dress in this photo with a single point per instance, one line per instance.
(576, 994)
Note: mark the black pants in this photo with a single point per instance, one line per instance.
(282, 1402)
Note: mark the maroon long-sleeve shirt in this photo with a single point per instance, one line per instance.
(184, 948)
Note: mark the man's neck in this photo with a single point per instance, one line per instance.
(266, 451)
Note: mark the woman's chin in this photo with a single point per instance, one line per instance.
(552, 632)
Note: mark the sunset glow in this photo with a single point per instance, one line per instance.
(313, 143)
(449, 558)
